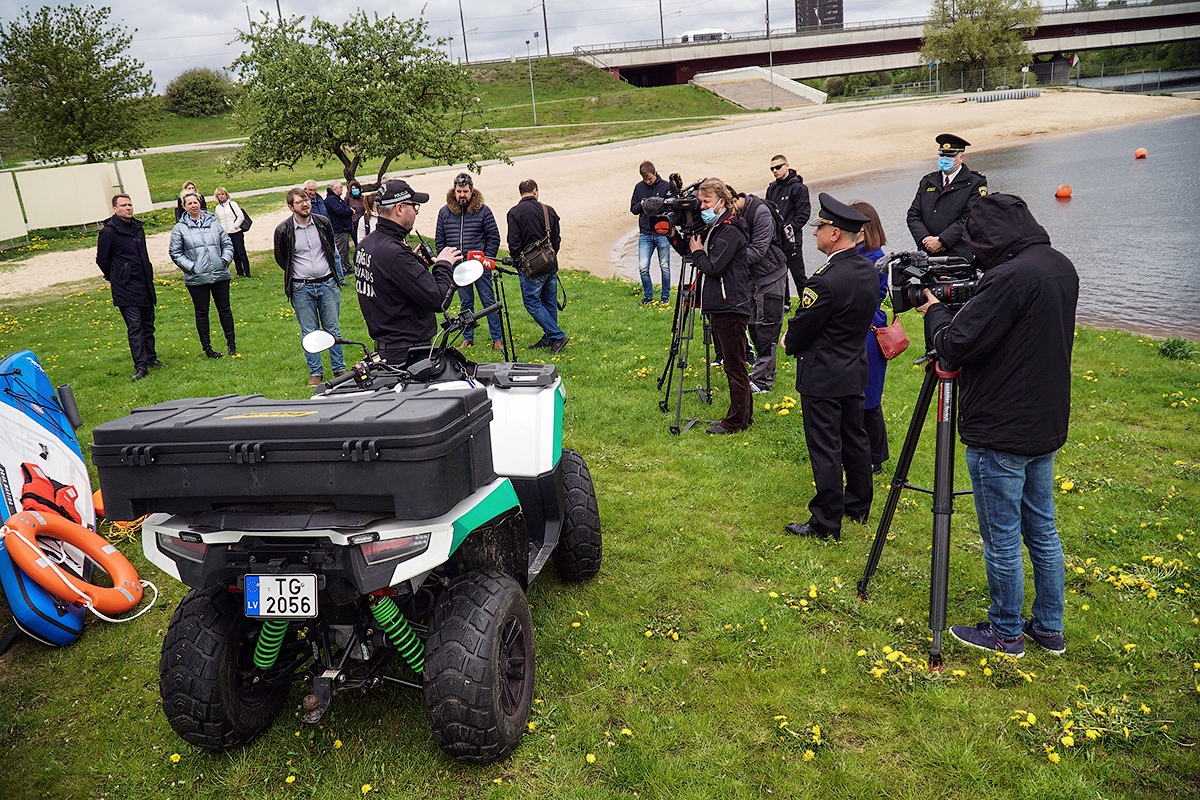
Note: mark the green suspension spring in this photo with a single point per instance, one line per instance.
(399, 633)
(270, 641)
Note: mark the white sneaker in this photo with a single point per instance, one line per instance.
(756, 389)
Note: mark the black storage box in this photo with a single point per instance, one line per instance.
(411, 455)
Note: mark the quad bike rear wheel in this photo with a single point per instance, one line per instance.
(479, 667)
(212, 694)
(577, 555)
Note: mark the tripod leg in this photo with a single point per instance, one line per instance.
(506, 337)
(689, 324)
(706, 395)
(943, 508)
(900, 479)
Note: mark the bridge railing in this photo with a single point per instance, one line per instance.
(1070, 6)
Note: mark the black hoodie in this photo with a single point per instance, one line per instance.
(1013, 338)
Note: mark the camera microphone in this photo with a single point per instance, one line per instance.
(652, 206)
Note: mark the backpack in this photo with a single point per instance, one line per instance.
(785, 234)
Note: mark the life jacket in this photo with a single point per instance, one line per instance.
(43, 493)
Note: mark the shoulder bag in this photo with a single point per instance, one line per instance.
(892, 339)
(246, 221)
(539, 258)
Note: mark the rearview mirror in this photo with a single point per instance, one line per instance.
(318, 341)
(467, 272)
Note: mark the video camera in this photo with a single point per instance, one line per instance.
(951, 279)
(681, 206)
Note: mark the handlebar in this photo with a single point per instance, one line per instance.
(351, 374)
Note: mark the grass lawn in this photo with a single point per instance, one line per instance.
(714, 656)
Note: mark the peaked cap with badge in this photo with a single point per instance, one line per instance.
(940, 210)
(836, 213)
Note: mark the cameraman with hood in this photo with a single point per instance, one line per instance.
(1013, 342)
(718, 251)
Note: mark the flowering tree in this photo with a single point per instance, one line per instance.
(980, 34)
(369, 88)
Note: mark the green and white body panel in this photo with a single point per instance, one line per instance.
(431, 542)
(527, 428)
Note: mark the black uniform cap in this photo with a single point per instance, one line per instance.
(397, 191)
(951, 145)
(836, 213)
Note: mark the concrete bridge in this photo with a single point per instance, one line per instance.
(889, 44)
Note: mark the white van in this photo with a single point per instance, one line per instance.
(704, 35)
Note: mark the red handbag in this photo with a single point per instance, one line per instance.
(892, 339)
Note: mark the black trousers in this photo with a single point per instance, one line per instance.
(876, 435)
(241, 261)
(833, 429)
(795, 264)
(729, 330)
(139, 322)
(219, 292)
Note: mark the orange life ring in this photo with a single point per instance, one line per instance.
(126, 591)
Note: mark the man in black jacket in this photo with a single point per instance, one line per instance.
(305, 251)
(397, 293)
(826, 336)
(1013, 342)
(650, 241)
(768, 285)
(790, 196)
(527, 223)
(342, 219)
(944, 199)
(122, 257)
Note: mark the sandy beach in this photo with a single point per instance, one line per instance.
(590, 187)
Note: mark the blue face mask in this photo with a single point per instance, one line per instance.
(709, 215)
(355, 192)
(945, 163)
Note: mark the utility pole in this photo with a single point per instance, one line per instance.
(546, 27)
(463, 22)
(662, 33)
(249, 21)
(278, 11)
(529, 63)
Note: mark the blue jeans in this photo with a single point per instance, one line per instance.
(540, 295)
(1014, 499)
(466, 298)
(647, 244)
(318, 305)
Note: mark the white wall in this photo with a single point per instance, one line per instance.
(77, 194)
(12, 223)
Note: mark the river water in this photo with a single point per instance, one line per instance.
(1132, 227)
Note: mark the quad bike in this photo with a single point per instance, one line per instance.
(384, 531)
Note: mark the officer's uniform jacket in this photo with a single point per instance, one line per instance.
(942, 211)
(828, 332)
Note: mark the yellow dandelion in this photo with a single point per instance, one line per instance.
(174, 758)
(337, 743)
(959, 673)
(862, 653)
(574, 624)
(1067, 485)
(366, 787)
(1053, 756)
(591, 758)
(626, 732)
(1130, 647)
(987, 672)
(809, 755)
(1068, 740)
(649, 634)
(773, 595)
(290, 779)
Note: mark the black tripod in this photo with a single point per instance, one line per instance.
(682, 332)
(946, 381)
(506, 337)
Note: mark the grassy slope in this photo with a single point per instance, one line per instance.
(707, 626)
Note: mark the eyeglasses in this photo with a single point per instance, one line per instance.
(777, 167)
(415, 206)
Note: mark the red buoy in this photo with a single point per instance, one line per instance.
(1140, 153)
(1063, 192)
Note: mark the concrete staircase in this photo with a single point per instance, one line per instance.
(750, 87)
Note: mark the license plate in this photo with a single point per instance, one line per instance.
(281, 596)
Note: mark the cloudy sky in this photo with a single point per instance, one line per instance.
(179, 34)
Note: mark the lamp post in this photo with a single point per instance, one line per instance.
(770, 52)
(463, 22)
(529, 63)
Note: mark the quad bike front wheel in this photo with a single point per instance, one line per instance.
(212, 694)
(479, 667)
(578, 552)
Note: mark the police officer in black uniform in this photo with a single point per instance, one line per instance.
(826, 336)
(938, 213)
(397, 292)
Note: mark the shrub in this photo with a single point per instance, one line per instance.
(199, 92)
(1177, 349)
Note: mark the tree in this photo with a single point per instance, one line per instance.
(199, 92)
(66, 78)
(370, 88)
(980, 34)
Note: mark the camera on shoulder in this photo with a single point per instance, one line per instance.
(951, 279)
